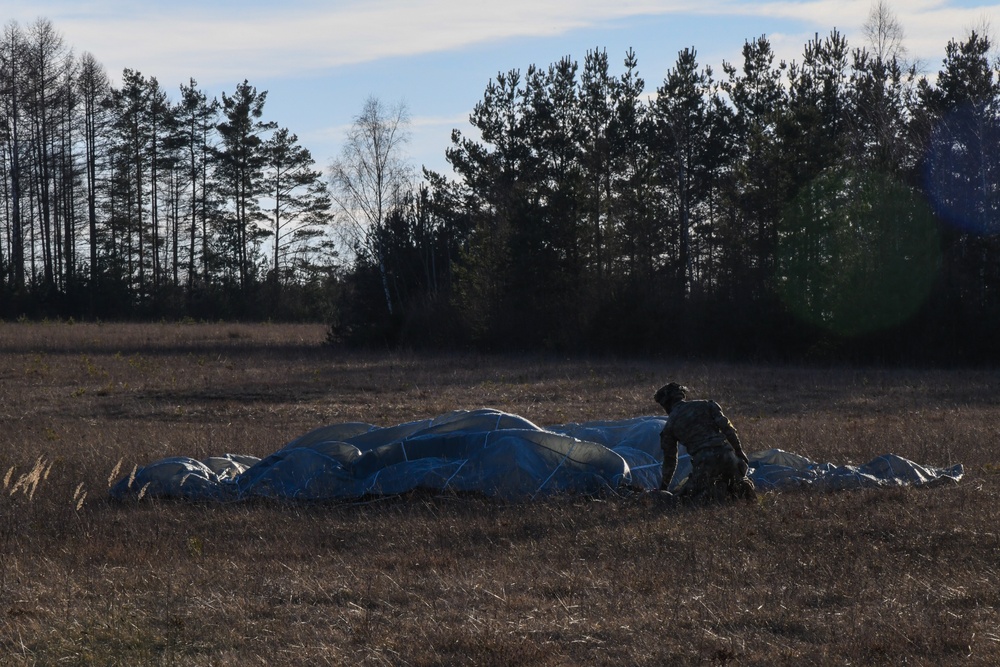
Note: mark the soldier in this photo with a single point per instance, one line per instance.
(719, 466)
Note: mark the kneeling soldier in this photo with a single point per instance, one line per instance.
(719, 465)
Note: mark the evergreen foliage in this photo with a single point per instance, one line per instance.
(839, 205)
(119, 202)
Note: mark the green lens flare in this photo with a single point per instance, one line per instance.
(858, 253)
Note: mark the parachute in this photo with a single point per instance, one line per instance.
(488, 452)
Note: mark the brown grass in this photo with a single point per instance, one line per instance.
(873, 577)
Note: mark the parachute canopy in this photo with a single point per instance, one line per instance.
(485, 451)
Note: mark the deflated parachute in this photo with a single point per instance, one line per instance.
(483, 451)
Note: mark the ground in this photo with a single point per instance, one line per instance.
(870, 577)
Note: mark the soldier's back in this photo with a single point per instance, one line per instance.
(694, 424)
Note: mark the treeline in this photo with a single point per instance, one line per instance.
(837, 206)
(120, 202)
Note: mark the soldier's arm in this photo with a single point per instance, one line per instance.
(668, 443)
(728, 430)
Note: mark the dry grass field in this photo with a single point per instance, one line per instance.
(871, 577)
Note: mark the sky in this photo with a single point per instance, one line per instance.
(319, 60)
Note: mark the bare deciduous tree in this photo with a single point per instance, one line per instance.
(884, 32)
(372, 177)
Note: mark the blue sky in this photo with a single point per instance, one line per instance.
(320, 60)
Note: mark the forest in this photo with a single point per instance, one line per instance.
(840, 206)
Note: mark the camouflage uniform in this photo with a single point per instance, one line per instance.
(718, 463)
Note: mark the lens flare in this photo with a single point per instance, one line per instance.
(959, 170)
(858, 253)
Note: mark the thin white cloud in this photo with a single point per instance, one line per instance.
(310, 37)
(221, 44)
(921, 19)
(439, 121)
(928, 25)
(418, 124)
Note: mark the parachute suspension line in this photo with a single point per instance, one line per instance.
(554, 471)
(460, 466)
(489, 434)
(374, 482)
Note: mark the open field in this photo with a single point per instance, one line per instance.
(872, 577)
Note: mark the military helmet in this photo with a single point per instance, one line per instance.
(670, 393)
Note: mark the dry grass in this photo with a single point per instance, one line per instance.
(849, 578)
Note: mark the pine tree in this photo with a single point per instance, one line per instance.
(301, 205)
(489, 182)
(760, 175)
(196, 120)
(689, 122)
(881, 86)
(240, 162)
(12, 54)
(596, 116)
(132, 151)
(958, 123)
(94, 89)
(632, 183)
(45, 61)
